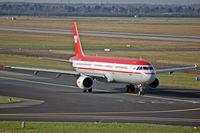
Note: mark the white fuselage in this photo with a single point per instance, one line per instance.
(125, 73)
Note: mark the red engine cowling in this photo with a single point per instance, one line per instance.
(84, 82)
(154, 84)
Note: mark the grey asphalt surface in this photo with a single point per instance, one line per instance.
(63, 101)
(106, 34)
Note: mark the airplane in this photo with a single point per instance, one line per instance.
(134, 72)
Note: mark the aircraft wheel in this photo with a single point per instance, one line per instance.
(132, 88)
(127, 88)
(90, 90)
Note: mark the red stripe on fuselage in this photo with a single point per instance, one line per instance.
(112, 70)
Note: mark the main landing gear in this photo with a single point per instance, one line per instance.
(89, 90)
(130, 88)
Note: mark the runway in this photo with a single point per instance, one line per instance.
(106, 34)
(58, 99)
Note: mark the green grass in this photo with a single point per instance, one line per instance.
(173, 26)
(36, 40)
(86, 127)
(29, 61)
(5, 100)
(179, 79)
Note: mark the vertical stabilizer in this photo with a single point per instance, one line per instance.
(77, 42)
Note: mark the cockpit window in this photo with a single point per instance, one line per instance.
(139, 68)
(144, 68)
(151, 68)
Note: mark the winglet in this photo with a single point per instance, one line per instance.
(78, 47)
(195, 66)
(4, 67)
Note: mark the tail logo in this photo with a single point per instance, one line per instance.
(75, 39)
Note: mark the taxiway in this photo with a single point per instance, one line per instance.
(60, 100)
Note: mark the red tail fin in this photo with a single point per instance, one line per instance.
(78, 47)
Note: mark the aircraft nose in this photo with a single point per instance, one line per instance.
(151, 77)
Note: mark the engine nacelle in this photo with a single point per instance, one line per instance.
(84, 82)
(154, 84)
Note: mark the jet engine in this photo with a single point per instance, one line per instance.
(84, 82)
(154, 84)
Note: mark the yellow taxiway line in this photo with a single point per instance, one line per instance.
(102, 113)
(102, 117)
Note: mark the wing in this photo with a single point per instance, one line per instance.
(59, 72)
(175, 69)
(53, 59)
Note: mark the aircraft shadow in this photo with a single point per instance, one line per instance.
(182, 93)
(172, 92)
(167, 92)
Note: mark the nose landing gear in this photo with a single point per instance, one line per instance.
(141, 90)
(131, 88)
(89, 90)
